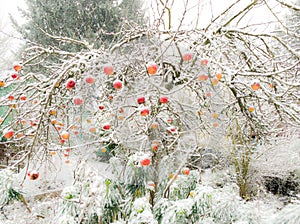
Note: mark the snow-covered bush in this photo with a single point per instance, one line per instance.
(141, 212)
(83, 201)
(8, 189)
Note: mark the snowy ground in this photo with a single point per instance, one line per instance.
(43, 195)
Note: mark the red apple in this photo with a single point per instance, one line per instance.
(145, 111)
(204, 62)
(185, 171)
(9, 134)
(14, 76)
(152, 68)
(11, 97)
(106, 127)
(23, 97)
(101, 107)
(33, 122)
(77, 100)
(141, 100)
(118, 84)
(89, 79)
(203, 77)
(187, 57)
(154, 147)
(171, 129)
(163, 99)
(145, 162)
(70, 84)
(108, 69)
(169, 120)
(33, 175)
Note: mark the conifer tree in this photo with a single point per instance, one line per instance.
(96, 22)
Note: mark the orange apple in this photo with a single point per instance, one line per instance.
(215, 115)
(219, 76)
(103, 150)
(19, 135)
(192, 193)
(152, 68)
(251, 109)
(17, 67)
(185, 171)
(92, 129)
(1, 120)
(255, 86)
(154, 125)
(65, 135)
(214, 81)
(52, 152)
(52, 112)
(203, 77)
(215, 125)
(53, 121)
(2, 83)
(9, 134)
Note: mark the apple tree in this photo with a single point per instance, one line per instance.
(149, 103)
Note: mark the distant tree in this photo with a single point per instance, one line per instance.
(7, 51)
(97, 22)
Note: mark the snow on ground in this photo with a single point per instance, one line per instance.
(43, 195)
